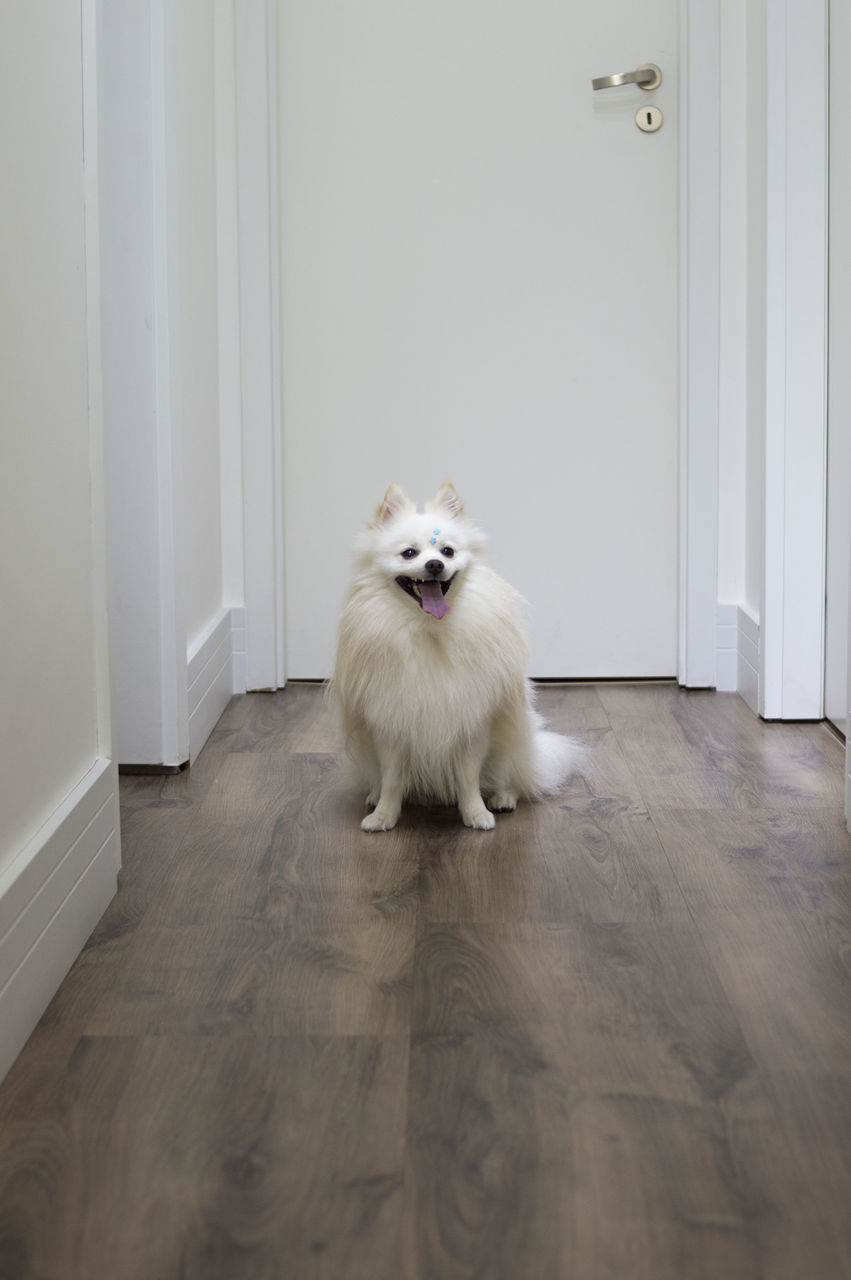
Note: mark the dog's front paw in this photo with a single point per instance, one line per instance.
(503, 801)
(479, 819)
(379, 820)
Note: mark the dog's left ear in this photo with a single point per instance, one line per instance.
(447, 500)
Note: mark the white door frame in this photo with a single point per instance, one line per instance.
(700, 354)
(256, 59)
(792, 616)
(138, 292)
(256, 64)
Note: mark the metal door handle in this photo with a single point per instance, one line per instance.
(648, 76)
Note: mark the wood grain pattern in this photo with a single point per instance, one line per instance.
(609, 1039)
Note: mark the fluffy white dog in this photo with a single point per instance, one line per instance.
(430, 672)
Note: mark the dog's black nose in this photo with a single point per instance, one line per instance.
(434, 567)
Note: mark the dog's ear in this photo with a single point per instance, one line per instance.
(447, 500)
(395, 503)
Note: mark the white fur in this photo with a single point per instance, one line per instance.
(439, 708)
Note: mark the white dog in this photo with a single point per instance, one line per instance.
(430, 672)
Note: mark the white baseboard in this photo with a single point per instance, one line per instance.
(215, 671)
(726, 648)
(737, 653)
(238, 633)
(749, 663)
(51, 897)
(209, 680)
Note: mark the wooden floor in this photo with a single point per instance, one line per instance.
(611, 1038)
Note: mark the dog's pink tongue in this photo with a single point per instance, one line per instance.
(434, 601)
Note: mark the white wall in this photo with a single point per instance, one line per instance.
(732, 493)
(742, 306)
(59, 847)
(230, 381)
(755, 131)
(196, 342)
(50, 721)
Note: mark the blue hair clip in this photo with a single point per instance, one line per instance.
(434, 539)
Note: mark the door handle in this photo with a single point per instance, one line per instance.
(648, 76)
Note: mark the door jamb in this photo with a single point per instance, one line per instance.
(699, 339)
(792, 615)
(256, 60)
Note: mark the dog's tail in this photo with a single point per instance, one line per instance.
(554, 759)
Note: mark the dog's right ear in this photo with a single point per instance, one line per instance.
(447, 500)
(395, 503)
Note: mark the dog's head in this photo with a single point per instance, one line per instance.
(422, 555)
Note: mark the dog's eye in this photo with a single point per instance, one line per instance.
(448, 552)
(409, 553)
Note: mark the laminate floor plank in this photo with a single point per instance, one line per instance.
(761, 859)
(595, 1079)
(711, 752)
(222, 1158)
(246, 979)
(814, 1111)
(789, 986)
(265, 918)
(608, 1039)
(569, 858)
(653, 727)
(605, 774)
(256, 722)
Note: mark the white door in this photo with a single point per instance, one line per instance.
(479, 282)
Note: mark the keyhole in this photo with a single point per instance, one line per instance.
(648, 119)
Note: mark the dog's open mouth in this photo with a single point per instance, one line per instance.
(428, 593)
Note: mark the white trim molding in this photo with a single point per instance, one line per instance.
(737, 656)
(209, 680)
(168, 481)
(748, 656)
(699, 340)
(257, 146)
(51, 897)
(792, 614)
(237, 622)
(104, 689)
(726, 649)
(228, 280)
(139, 298)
